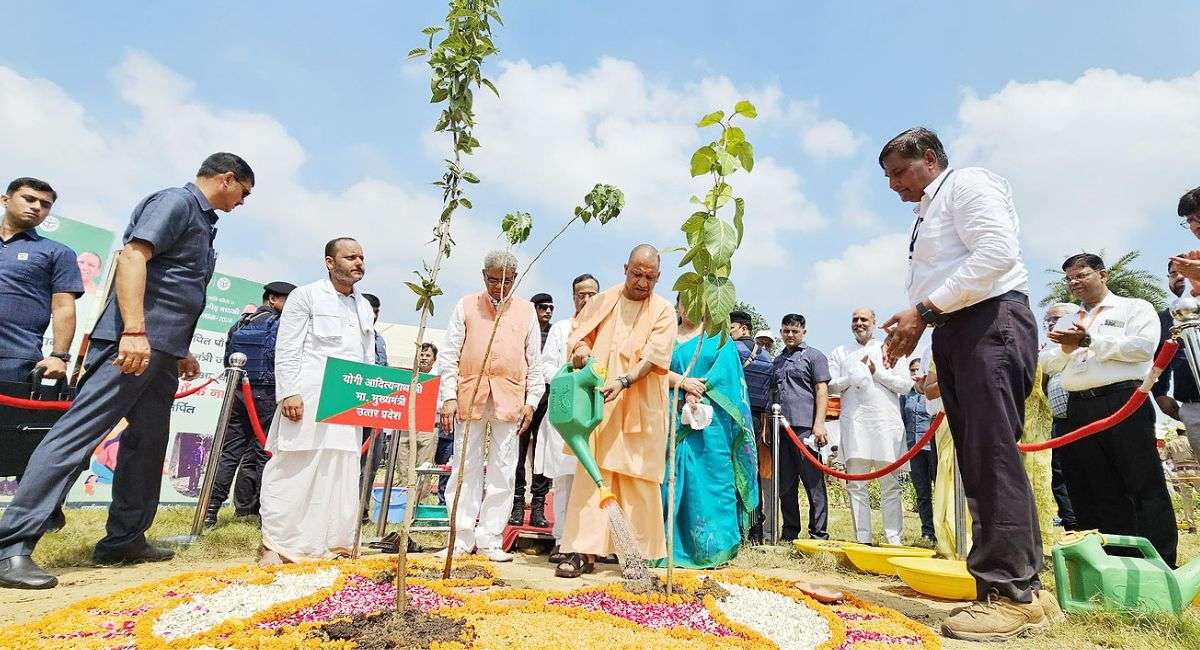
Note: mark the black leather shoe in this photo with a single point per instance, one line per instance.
(132, 555)
(518, 514)
(537, 514)
(21, 572)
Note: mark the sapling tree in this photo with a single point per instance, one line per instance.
(603, 203)
(706, 291)
(456, 64)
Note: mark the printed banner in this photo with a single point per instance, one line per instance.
(91, 245)
(374, 396)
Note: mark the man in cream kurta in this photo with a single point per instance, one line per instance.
(309, 499)
(501, 394)
(629, 331)
(872, 431)
(550, 458)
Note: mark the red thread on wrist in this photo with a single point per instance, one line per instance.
(139, 333)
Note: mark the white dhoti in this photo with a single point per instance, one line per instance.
(562, 495)
(486, 500)
(309, 503)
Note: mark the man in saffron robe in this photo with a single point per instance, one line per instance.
(630, 332)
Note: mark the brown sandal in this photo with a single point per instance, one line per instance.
(557, 556)
(574, 566)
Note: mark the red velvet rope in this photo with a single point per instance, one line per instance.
(882, 471)
(48, 405)
(366, 445)
(252, 411)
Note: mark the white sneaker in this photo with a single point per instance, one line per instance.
(495, 554)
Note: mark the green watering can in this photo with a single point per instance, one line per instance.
(575, 408)
(1088, 578)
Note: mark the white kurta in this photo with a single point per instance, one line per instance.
(549, 459)
(870, 423)
(310, 485)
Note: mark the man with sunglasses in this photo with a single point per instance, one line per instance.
(493, 382)
(139, 350)
(543, 305)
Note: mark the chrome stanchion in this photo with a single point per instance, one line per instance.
(960, 516)
(233, 381)
(364, 491)
(772, 514)
(389, 479)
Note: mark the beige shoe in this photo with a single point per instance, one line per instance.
(996, 619)
(1049, 604)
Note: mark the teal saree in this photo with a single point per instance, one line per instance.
(716, 470)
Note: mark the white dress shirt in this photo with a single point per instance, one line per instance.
(549, 459)
(456, 333)
(870, 423)
(317, 323)
(966, 247)
(1125, 333)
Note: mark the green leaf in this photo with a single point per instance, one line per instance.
(516, 227)
(417, 51)
(745, 108)
(470, 178)
(745, 155)
(689, 280)
(714, 117)
(694, 223)
(739, 210)
(734, 135)
(720, 240)
(718, 196)
(415, 288)
(672, 249)
(430, 31)
(719, 296)
(465, 202)
(728, 164)
(695, 199)
(490, 85)
(702, 160)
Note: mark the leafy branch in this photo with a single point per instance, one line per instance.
(706, 293)
(456, 64)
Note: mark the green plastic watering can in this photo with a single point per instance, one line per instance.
(575, 409)
(1087, 578)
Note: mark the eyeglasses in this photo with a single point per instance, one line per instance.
(1072, 279)
(495, 282)
(1188, 222)
(245, 190)
(545, 307)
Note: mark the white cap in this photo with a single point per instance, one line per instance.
(766, 333)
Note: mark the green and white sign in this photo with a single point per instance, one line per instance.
(368, 395)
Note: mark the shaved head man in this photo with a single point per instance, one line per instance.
(630, 332)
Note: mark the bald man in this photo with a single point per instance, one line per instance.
(629, 331)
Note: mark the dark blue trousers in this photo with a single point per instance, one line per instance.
(16, 370)
(104, 396)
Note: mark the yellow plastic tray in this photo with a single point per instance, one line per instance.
(874, 559)
(814, 546)
(936, 577)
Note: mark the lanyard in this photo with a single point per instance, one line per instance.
(912, 241)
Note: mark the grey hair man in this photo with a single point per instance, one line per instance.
(498, 386)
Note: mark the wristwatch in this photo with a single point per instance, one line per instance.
(64, 356)
(625, 381)
(1085, 340)
(927, 314)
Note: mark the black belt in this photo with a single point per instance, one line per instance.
(1120, 386)
(1008, 296)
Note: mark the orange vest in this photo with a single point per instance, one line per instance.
(504, 377)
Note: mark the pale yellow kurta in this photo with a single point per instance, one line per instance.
(630, 442)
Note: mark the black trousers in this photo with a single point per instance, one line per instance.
(104, 396)
(1115, 476)
(445, 449)
(795, 469)
(526, 442)
(986, 355)
(241, 454)
(1058, 477)
(923, 470)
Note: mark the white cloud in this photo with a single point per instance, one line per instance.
(1092, 161)
(554, 133)
(870, 274)
(851, 198)
(830, 139)
(102, 170)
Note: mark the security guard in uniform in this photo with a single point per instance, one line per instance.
(254, 336)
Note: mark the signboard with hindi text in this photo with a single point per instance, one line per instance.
(367, 395)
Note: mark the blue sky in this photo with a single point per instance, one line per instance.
(1093, 114)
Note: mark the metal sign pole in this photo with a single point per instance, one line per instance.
(389, 478)
(233, 380)
(364, 491)
(773, 517)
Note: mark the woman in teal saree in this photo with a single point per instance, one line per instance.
(716, 469)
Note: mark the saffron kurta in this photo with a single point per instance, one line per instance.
(630, 444)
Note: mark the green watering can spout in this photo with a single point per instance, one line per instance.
(575, 410)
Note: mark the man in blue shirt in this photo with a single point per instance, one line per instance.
(923, 466)
(39, 282)
(756, 366)
(800, 385)
(139, 350)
